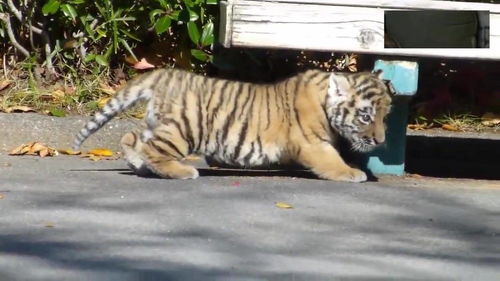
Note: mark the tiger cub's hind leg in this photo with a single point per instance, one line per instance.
(131, 144)
(162, 154)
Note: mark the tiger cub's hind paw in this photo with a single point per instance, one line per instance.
(174, 170)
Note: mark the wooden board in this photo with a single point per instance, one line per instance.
(334, 25)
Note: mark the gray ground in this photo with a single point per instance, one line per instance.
(66, 218)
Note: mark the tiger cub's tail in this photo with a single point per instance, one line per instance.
(136, 90)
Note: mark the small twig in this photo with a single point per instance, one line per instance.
(6, 19)
(82, 50)
(14, 10)
(4, 66)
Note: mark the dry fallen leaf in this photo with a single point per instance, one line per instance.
(417, 176)
(58, 94)
(143, 64)
(138, 114)
(90, 156)
(49, 224)
(105, 88)
(283, 205)
(130, 60)
(19, 108)
(449, 127)
(69, 151)
(34, 148)
(101, 152)
(490, 119)
(4, 84)
(102, 102)
(417, 127)
(2, 196)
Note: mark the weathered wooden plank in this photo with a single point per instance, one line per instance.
(307, 26)
(225, 24)
(394, 4)
(326, 27)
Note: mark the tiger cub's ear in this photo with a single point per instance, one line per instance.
(334, 86)
(390, 87)
(379, 73)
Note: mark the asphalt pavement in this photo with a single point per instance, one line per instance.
(68, 218)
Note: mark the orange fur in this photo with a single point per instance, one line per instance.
(297, 120)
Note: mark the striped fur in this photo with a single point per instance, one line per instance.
(296, 120)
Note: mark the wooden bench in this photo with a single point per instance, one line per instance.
(351, 26)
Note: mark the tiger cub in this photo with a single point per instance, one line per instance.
(297, 120)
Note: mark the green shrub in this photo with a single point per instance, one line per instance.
(82, 35)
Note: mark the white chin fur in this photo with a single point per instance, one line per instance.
(361, 147)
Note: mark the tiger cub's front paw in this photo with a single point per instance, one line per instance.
(347, 175)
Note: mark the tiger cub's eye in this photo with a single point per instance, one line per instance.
(366, 118)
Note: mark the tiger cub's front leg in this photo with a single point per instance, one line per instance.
(325, 161)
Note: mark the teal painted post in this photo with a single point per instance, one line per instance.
(390, 158)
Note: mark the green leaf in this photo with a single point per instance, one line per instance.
(193, 16)
(100, 59)
(177, 15)
(207, 35)
(89, 57)
(162, 24)
(69, 11)
(199, 55)
(57, 112)
(129, 49)
(51, 7)
(101, 33)
(193, 32)
(188, 3)
(211, 2)
(163, 4)
(130, 35)
(154, 13)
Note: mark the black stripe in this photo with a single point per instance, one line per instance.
(222, 97)
(159, 76)
(182, 81)
(345, 112)
(363, 82)
(369, 95)
(135, 139)
(185, 120)
(317, 135)
(297, 117)
(249, 155)
(230, 118)
(277, 107)
(163, 151)
(268, 109)
(168, 121)
(312, 76)
(242, 137)
(248, 92)
(259, 143)
(200, 124)
(322, 80)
